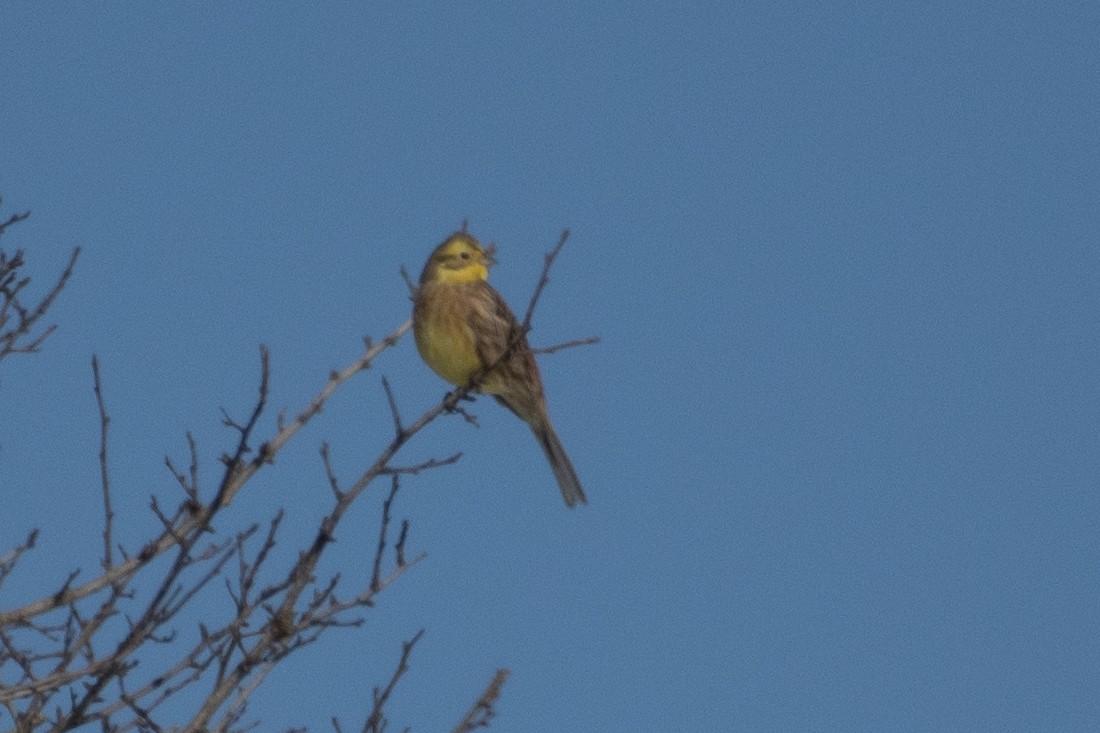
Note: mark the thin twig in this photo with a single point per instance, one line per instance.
(330, 474)
(450, 403)
(13, 219)
(426, 465)
(393, 405)
(9, 561)
(234, 464)
(399, 548)
(268, 622)
(104, 474)
(27, 317)
(376, 575)
(239, 653)
(232, 483)
(409, 283)
(376, 722)
(482, 710)
(567, 345)
(543, 280)
(46, 302)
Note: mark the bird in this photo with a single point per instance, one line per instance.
(468, 335)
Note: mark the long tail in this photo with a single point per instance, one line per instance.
(568, 482)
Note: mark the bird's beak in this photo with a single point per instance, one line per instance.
(489, 259)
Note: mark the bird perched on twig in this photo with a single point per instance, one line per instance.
(467, 334)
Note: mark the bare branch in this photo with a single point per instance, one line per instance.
(428, 464)
(189, 483)
(376, 721)
(74, 654)
(393, 405)
(104, 474)
(399, 548)
(10, 560)
(333, 483)
(450, 404)
(568, 345)
(236, 479)
(13, 219)
(16, 337)
(544, 279)
(482, 711)
(409, 283)
(376, 574)
(233, 465)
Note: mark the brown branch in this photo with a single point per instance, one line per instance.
(424, 466)
(189, 483)
(11, 559)
(233, 465)
(482, 710)
(376, 574)
(330, 474)
(293, 611)
(393, 405)
(451, 403)
(544, 279)
(399, 548)
(591, 340)
(231, 484)
(267, 641)
(26, 318)
(13, 219)
(376, 722)
(46, 302)
(104, 474)
(236, 479)
(409, 283)
(182, 530)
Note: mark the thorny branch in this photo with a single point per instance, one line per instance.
(71, 658)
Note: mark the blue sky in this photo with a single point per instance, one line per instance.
(841, 436)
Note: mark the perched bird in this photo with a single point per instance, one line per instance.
(463, 327)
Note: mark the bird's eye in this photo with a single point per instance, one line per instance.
(465, 255)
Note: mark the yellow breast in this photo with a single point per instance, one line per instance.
(443, 334)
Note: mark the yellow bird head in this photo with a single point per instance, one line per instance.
(460, 259)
